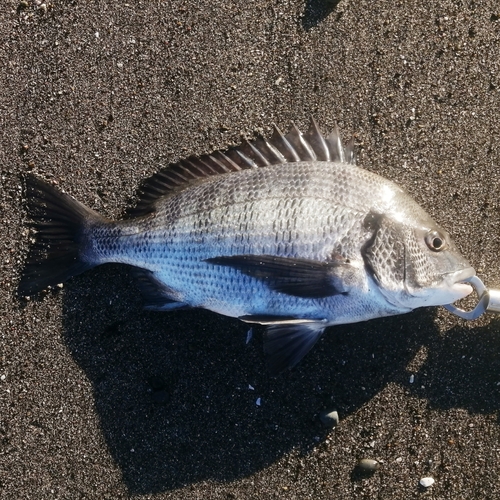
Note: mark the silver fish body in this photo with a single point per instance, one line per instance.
(287, 232)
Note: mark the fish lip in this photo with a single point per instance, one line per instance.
(459, 282)
(462, 276)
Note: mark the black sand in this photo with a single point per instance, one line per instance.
(99, 399)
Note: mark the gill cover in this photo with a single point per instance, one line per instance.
(384, 252)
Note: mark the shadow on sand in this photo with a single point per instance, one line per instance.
(316, 11)
(172, 389)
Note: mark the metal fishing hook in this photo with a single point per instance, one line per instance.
(489, 301)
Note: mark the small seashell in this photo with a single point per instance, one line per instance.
(329, 418)
(426, 482)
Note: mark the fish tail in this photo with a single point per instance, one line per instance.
(61, 227)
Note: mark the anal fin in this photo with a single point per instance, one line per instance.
(157, 296)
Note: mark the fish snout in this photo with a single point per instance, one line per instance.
(458, 283)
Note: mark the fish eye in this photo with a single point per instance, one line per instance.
(435, 241)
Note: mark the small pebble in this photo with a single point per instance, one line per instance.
(367, 465)
(412, 379)
(329, 418)
(426, 482)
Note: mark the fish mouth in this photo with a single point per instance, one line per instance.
(458, 282)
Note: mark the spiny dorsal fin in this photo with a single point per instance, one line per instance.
(283, 145)
(349, 152)
(261, 152)
(301, 146)
(316, 140)
(335, 145)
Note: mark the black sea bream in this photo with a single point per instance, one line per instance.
(285, 232)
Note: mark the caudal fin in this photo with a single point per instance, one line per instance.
(59, 222)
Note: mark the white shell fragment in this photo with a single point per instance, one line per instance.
(249, 335)
(426, 482)
(329, 418)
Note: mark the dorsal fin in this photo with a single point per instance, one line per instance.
(335, 145)
(301, 146)
(279, 148)
(349, 152)
(316, 140)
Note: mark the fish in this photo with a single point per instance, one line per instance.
(286, 232)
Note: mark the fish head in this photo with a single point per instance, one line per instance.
(414, 261)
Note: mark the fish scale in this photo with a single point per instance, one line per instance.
(267, 233)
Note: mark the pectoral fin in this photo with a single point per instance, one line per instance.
(298, 277)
